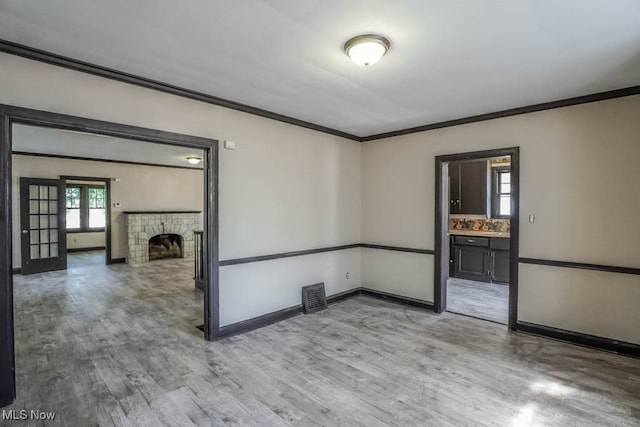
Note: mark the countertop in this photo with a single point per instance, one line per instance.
(501, 234)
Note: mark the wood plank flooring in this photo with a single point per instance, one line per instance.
(116, 345)
(489, 301)
(85, 258)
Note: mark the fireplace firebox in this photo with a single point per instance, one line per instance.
(162, 246)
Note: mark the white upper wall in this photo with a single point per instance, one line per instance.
(283, 192)
(579, 173)
(284, 188)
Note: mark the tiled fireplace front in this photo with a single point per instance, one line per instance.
(142, 226)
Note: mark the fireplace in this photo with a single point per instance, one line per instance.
(162, 246)
(155, 235)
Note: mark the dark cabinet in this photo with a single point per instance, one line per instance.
(481, 259)
(500, 266)
(471, 258)
(499, 260)
(454, 187)
(473, 187)
(472, 263)
(468, 187)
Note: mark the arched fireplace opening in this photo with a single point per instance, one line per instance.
(164, 246)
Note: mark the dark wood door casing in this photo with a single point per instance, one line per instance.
(12, 114)
(441, 229)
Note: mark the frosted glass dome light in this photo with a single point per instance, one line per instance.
(366, 49)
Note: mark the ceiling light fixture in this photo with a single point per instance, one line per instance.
(194, 160)
(367, 49)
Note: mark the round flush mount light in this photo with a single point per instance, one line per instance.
(367, 49)
(194, 160)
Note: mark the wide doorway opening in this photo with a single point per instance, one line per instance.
(87, 221)
(476, 235)
(72, 178)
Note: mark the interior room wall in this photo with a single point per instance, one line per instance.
(578, 176)
(139, 188)
(283, 278)
(284, 188)
(401, 273)
(84, 240)
(579, 173)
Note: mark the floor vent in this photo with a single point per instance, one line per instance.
(313, 298)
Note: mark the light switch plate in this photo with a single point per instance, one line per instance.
(230, 145)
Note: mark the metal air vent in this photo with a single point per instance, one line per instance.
(313, 298)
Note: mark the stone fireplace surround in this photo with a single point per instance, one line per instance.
(141, 226)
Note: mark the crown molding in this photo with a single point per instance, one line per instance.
(584, 99)
(109, 73)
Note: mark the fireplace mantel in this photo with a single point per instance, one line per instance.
(159, 212)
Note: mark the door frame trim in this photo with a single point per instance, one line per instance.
(441, 227)
(12, 114)
(107, 220)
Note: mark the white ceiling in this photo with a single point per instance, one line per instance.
(449, 59)
(33, 139)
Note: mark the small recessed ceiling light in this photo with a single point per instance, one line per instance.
(367, 49)
(194, 160)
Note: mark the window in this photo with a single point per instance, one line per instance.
(501, 193)
(73, 208)
(85, 207)
(96, 207)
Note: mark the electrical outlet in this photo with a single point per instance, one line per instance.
(348, 275)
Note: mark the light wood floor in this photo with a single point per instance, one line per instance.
(85, 259)
(117, 346)
(488, 301)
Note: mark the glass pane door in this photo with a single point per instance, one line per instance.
(42, 225)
